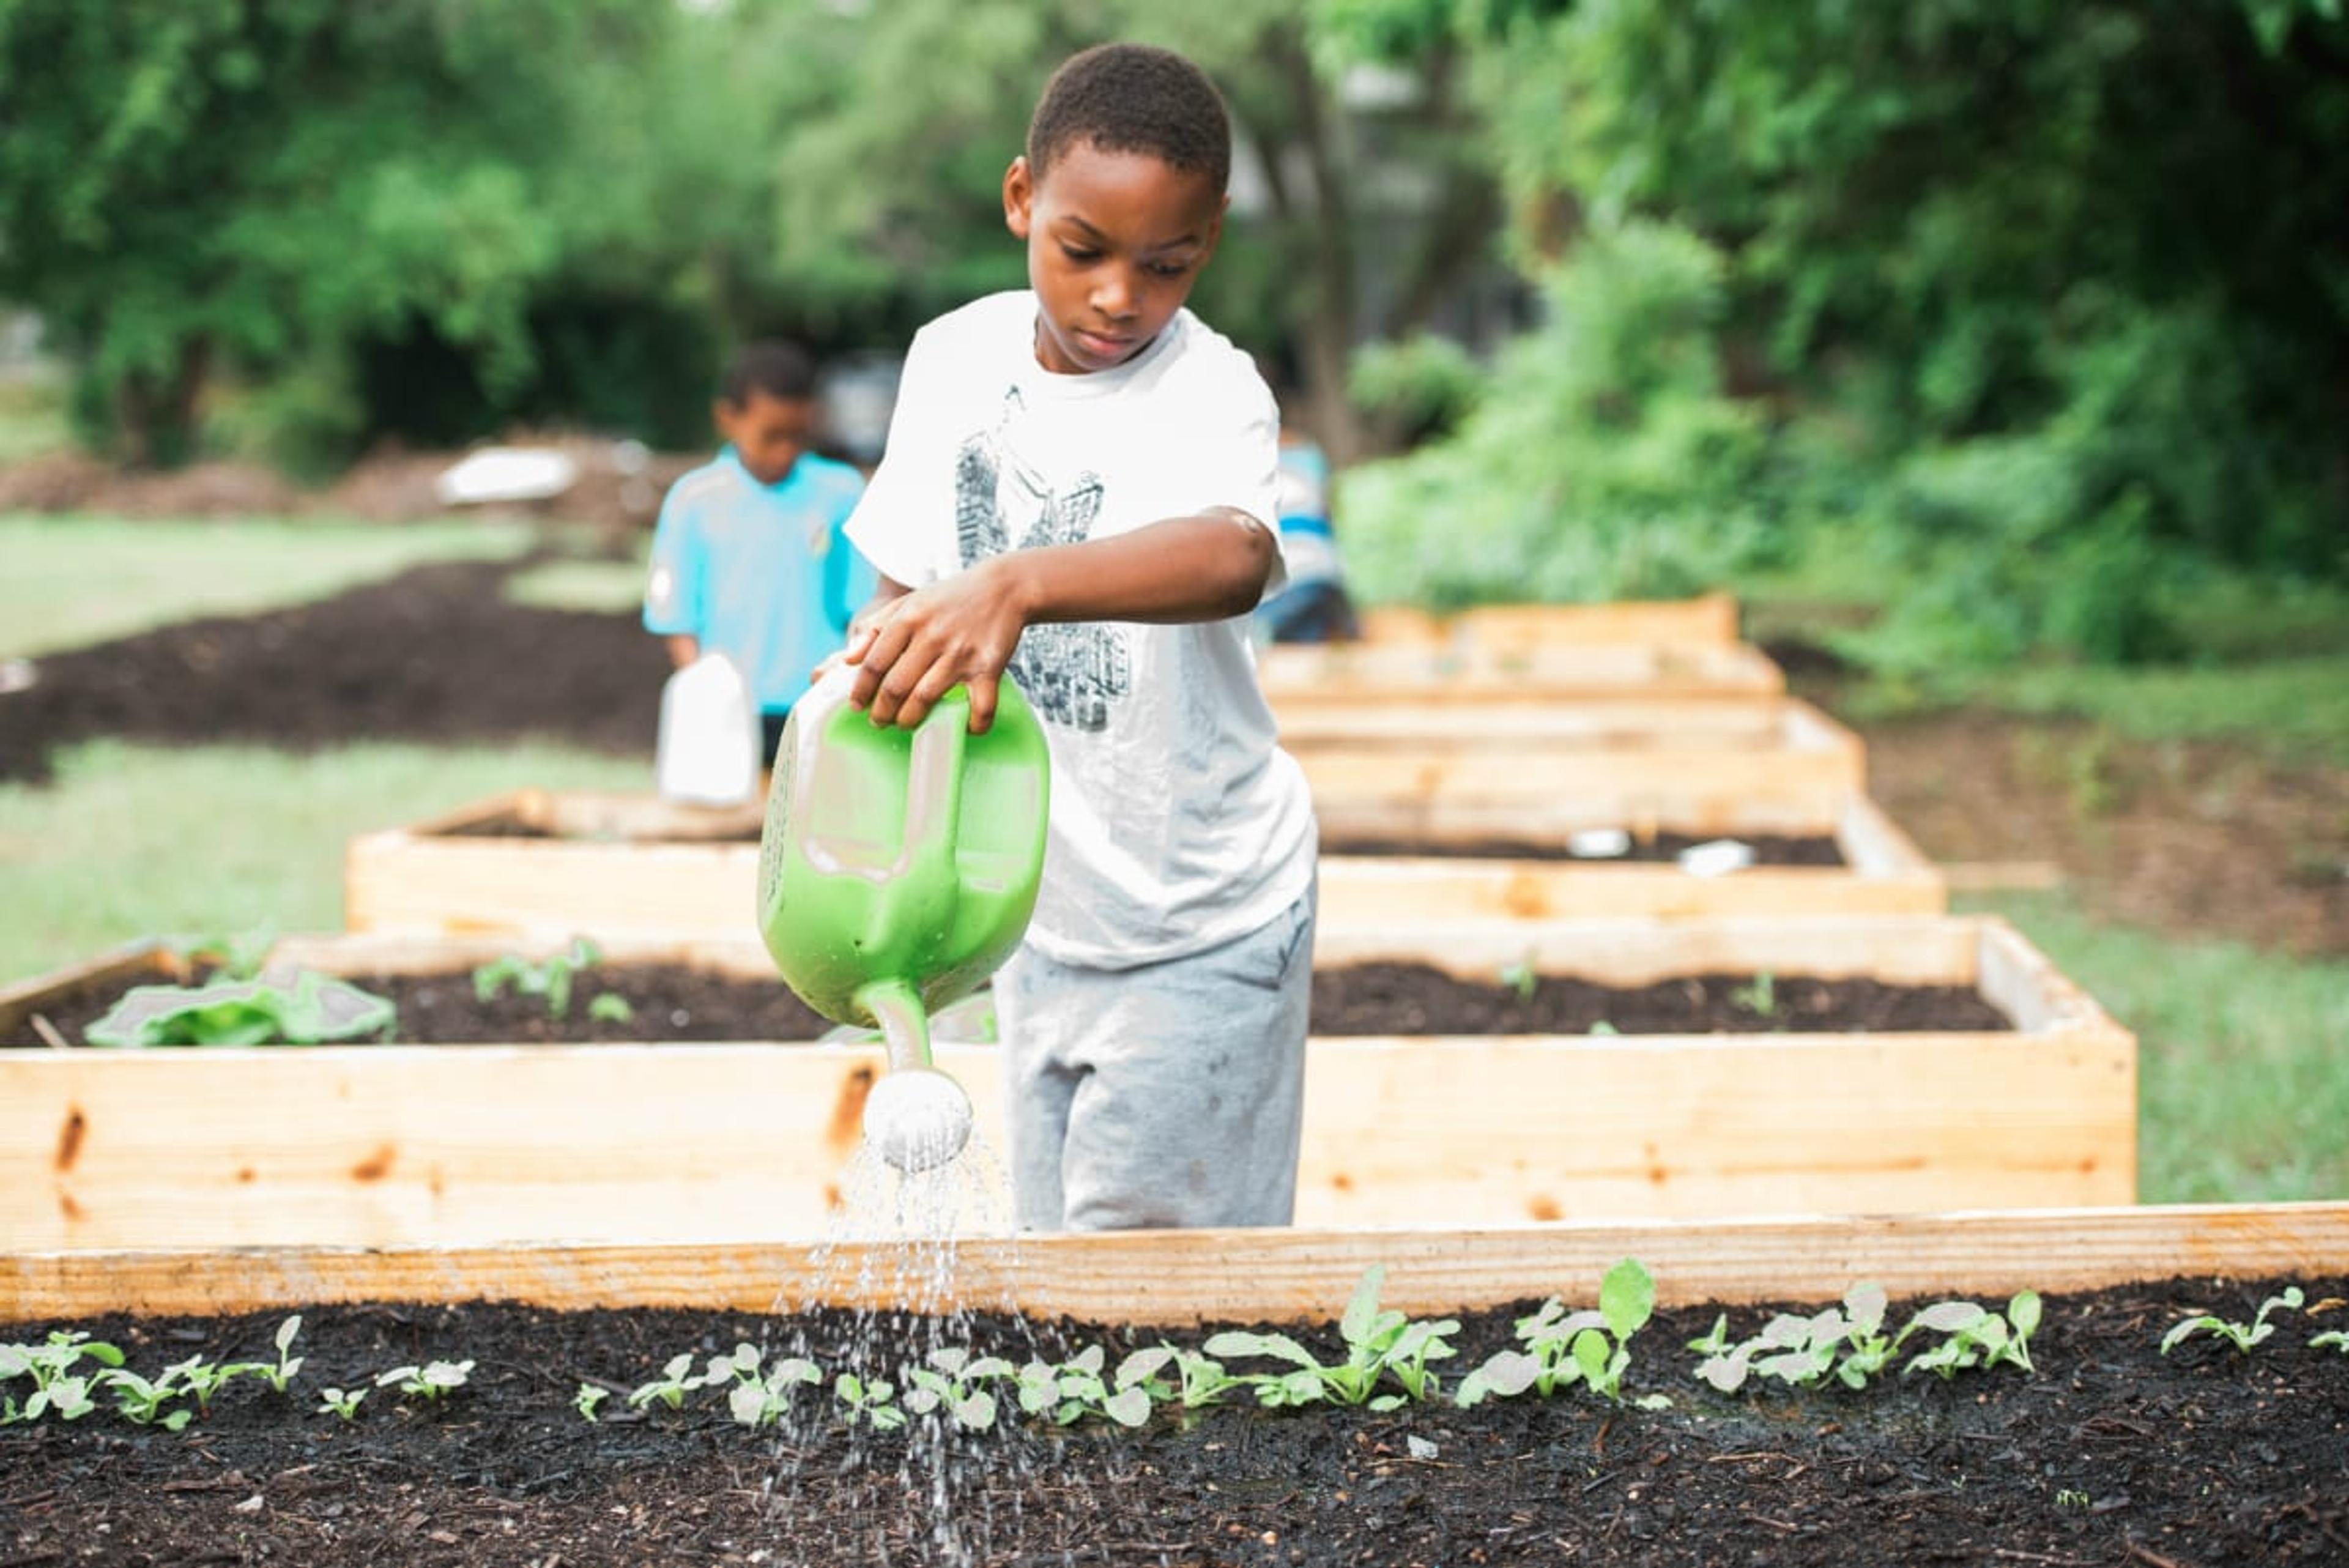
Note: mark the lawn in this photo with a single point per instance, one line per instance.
(73, 581)
(134, 841)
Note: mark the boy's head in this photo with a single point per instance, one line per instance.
(766, 408)
(1120, 197)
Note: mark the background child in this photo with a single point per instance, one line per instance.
(749, 559)
(1079, 490)
(1314, 606)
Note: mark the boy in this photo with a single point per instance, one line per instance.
(748, 557)
(1079, 491)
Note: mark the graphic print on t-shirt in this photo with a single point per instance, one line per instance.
(1071, 674)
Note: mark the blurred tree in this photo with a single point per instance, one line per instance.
(889, 177)
(185, 181)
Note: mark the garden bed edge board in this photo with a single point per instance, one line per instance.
(1170, 1278)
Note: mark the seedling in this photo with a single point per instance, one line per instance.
(758, 1400)
(872, 1403)
(2241, 1336)
(149, 1404)
(1562, 1348)
(432, 1382)
(1977, 1336)
(1847, 1340)
(1198, 1380)
(589, 1399)
(1759, 996)
(279, 1374)
(676, 1381)
(57, 1386)
(1522, 977)
(1377, 1343)
(2336, 1339)
(550, 982)
(954, 1381)
(341, 1402)
(204, 1378)
(1079, 1386)
(610, 1007)
(234, 955)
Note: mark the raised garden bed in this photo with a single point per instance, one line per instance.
(1802, 765)
(380, 1145)
(1709, 619)
(547, 864)
(2107, 1453)
(1322, 674)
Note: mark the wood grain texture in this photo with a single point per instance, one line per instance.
(1179, 1278)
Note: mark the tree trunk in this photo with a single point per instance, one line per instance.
(155, 417)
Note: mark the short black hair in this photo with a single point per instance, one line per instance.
(783, 370)
(1134, 98)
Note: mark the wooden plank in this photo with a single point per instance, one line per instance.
(1371, 673)
(1710, 619)
(1810, 756)
(549, 888)
(387, 1146)
(1181, 1277)
(1436, 725)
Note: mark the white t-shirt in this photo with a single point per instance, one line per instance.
(1178, 823)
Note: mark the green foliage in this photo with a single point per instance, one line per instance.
(1603, 460)
(1562, 1348)
(431, 1383)
(1379, 1344)
(550, 981)
(1422, 387)
(1848, 1343)
(2241, 1336)
(314, 1009)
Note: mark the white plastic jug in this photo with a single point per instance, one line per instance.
(707, 754)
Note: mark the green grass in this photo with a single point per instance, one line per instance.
(73, 581)
(607, 586)
(2294, 708)
(33, 421)
(2243, 1056)
(137, 841)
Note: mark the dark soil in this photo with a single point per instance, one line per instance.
(668, 1002)
(434, 654)
(2112, 1455)
(1769, 848)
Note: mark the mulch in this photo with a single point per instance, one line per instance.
(2112, 1456)
(435, 654)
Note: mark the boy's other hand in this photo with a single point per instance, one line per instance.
(913, 650)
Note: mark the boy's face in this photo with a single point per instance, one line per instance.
(1116, 239)
(767, 433)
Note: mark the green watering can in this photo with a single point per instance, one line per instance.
(896, 871)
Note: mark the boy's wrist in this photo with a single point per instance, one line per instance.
(1017, 579)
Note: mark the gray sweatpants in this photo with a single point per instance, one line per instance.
(1169, 1094)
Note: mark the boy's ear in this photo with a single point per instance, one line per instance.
(1019, 198)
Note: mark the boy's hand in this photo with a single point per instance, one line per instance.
(960, 632)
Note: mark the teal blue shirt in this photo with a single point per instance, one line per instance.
(760, 572)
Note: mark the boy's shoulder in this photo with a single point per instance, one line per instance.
(713, 483)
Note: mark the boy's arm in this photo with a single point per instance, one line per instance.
(914, 646)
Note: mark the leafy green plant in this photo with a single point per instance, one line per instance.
(1080, 1386)
(550, 982)
(149, 1404)
(1522, 977)
(1847, 1341)
(589, 1399)
(1758, 996)
(312, 1009)
(955, 1381)
(2334, 1339)
(1378, 1343)
(1562, 1348)
(281, 1372)
(341, 1402)
(432, 1382)
(874, 1402)
(2241, 1336)
(676, 1381)
(204, 1379)
(759, 1396)
(1196, 1380)
(1977, 1336)
(234, 955)
(54, 1368)
(610, 1007)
